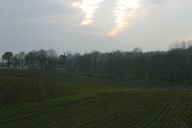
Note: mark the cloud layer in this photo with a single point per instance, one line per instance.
(26, 25)
(122, 13)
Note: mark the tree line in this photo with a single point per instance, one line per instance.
(174, 65)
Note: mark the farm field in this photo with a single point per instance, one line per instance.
(55, 100)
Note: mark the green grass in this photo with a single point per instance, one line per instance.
(33, 99)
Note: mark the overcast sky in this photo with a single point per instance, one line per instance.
(109, 25)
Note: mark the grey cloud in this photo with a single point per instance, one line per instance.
(35, 24)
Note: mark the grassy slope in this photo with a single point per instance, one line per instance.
(52, 100)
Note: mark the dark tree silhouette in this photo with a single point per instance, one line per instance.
(8, 57)
(173, 65)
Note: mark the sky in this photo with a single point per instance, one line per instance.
(89, 25)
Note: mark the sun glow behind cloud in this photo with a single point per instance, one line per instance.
(88, 8)
(122, 13)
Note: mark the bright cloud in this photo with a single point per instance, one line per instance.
(88, 8)
(124, 11)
